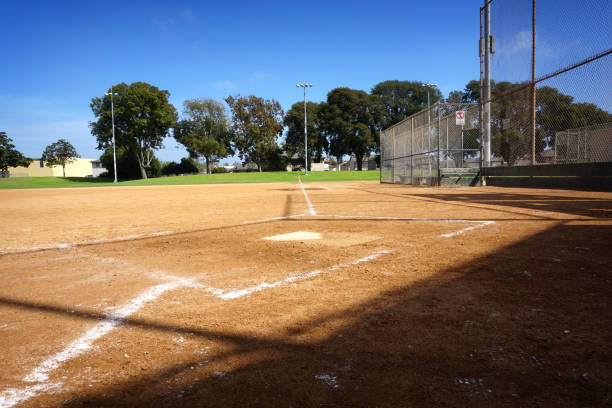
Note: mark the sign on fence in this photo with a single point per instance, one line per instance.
(460, 118)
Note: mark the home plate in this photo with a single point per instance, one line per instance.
(295, 236)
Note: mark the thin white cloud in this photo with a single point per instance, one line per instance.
(186, 14)
(225, 85)
(31, 140)
(162, 23)
(521, 43)
(259, 76)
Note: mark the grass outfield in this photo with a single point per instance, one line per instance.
(266, 177)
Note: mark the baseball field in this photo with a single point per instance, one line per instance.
(304, 294)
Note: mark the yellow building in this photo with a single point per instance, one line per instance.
(78, 168)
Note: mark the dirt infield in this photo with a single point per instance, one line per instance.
(170, 296)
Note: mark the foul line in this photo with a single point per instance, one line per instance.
(473, 227)
(40, 375)
(237, 293)
(83, 243)
(311, 209)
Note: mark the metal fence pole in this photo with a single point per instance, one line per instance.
(533, 83)
(412, 151)
(439, 129)
(447, 149)
(487, 84)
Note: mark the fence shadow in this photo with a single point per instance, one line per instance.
(582, 206)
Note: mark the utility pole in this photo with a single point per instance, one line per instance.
(305, 85)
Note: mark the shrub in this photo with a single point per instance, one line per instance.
(187, 166)
(170, 168)
(218, 170)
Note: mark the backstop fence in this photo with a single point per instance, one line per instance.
(550, 99)
(414, 150)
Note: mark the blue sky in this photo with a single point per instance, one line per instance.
(58, 55)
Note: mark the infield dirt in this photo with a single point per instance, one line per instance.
(412, 296)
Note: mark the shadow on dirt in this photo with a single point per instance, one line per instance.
(585, 206)
(528, 325)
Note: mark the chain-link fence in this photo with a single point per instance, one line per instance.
(414, 150)
(569, 68)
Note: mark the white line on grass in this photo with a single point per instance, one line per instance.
(237, 293)
(40, 374)
(311, 209)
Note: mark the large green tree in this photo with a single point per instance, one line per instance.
(60, 153)
(9, 156)
(352, 119)
(294, 121)
(557, 112)
(143, 118)
(205, 131)
(404, 98)
(256, 123)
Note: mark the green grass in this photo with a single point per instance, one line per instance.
(267, 177)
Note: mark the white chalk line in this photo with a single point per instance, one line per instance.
(40, 375)
(237, 293)
(287, 217)
(311, 209)
(473, 227)
(83, 243)
(480, 223)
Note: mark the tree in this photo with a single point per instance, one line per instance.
(557, 112)
(294, 121)
(471, 92)
(127, 167)
(206, 131)
(456, 97)
(59, 153)
(404, 98)
(257, 124)
(143, 118)
(9, 156)
(352, 120)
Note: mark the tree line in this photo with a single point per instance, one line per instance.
(348, 122)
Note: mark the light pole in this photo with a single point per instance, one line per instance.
(305, 85)
(113, 122)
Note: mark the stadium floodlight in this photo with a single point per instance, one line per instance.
(111, 93)
(305, 85)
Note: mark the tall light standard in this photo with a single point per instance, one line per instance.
(305, 85)
(113, 122)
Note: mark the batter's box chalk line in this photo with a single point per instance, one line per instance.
(38, 379)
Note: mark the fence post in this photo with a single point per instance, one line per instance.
(533, 84)
(487, 85)
(411, 151)
(439, 130)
